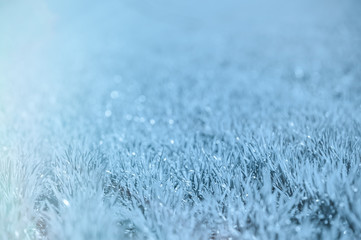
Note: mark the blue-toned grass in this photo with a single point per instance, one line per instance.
(197, 126)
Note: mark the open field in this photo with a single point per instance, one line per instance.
(179, 120)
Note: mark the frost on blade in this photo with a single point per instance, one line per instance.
(180, 120)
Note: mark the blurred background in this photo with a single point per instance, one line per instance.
(61, 60)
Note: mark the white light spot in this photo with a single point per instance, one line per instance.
(117, 78)
(114, 94)
(128, 117)
(299, 73)
(142, 98)
(108, 113)
(171, 121)
(171, 141)
(66, 202)
(152, 121)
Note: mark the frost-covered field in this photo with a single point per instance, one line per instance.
(180, 119)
